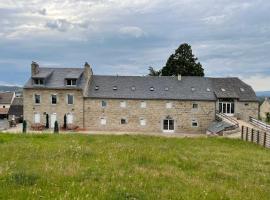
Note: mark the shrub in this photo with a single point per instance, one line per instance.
(24, 126)
(56, 127)
(65, 122)
(47, 121)
(267, 117)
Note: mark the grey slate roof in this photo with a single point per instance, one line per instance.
(43, 73)
(234, 88)
(57, 78)
(6, 97)
(203, 88)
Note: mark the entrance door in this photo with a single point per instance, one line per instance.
(69, 118)
(53, 119)
(168, 125)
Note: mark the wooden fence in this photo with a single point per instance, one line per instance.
(255, 136)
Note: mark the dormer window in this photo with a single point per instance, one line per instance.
(71, 82)
(114, 87)
(39, 81)
(152, 89)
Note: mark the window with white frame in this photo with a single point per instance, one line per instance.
(103, 104)
(143, 104)
(103, 121)
(123, 104)
(54, 99)
(194, 123)
(71, 82)
(70, 99)
(37, 98)
(39, 81)
(169, 105)
(142, 122)
(195, 106)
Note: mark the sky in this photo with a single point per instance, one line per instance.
(231, 38)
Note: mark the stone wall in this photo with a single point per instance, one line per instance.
(61, 108)
(154, 113)
(265, 108)
(247, 109)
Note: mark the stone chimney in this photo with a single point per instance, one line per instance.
(179, 77)
(34, 68)
(87, 71)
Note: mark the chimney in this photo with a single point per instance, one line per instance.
(34, 68)
(87, 71)
(266, 98)
(179, 77)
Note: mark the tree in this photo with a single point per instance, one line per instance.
(24, 126)
(56, 127)
(267, 117)
(153, 72)
(47, 121)
(183, 62)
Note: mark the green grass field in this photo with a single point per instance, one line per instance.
(131, 167)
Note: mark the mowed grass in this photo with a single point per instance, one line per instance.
(131, 167)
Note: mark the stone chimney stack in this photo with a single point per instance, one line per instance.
(34, 68)
(179, 77)
(87, 71)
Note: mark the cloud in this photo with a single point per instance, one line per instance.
(259, 82)
(59, 24)
(132, 31)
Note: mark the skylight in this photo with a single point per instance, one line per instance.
(133, 88)
(114, 87)
(152, 89)
(223, 90)
(193, 89)
(242, 89)
(97, 87)
(166, 89)
(208, 90)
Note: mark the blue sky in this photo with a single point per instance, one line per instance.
(125, 37)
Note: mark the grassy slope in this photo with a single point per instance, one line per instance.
(131, 167)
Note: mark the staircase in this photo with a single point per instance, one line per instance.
(224, 125)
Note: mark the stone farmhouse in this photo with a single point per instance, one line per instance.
(6, 99)
(265, 108)
(133, 103)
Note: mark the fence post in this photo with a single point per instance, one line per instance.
(252, 134)
(247, 134)
(258, 137)
(242, 133)
(264, 140)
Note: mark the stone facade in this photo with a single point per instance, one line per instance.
(264, 109)
(46, 107)
(247, 109)
(154, 113)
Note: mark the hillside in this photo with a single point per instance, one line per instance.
(4, 88)
(131, 167)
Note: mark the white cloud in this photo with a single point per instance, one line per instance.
(133, 31)
(259, 82)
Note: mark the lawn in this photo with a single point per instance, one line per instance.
(131, 167)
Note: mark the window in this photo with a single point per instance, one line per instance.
(123, 104)
(103, 104)
(69, 118)
(208, 90)
(223, 90)
(169, 105)
(114, 87)
(4, 106)
(39, 81)
(54, 99)
(195, 106)
(37, 99)
(97, 87)
(70, 99)
(142, 122)
(71, 82)
(192, 89)
(166, 89)
(123, 121)
(152, 89)
(242, 89)
(194, 123)
(246, 104)
(143, 104)
(103, 121)
(133, 88)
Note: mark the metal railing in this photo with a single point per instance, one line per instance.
(231, 120)
(259, 124)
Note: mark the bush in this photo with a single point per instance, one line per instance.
(47, 121)
(65, 122)
(24, 126)
(56, 127)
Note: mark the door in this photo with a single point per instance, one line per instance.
(226, 108)
(53, 119)
(37, 118)
(168, 125)
(69, 118)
